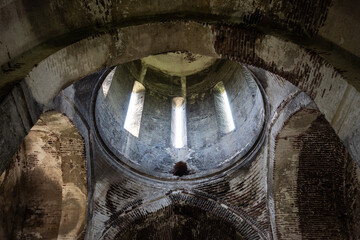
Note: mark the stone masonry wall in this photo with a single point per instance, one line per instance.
(315, 181)
(43, 193)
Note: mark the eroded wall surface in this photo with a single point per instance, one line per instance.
(248, 198)
(43, 195)
(315, 181)
(122, 200)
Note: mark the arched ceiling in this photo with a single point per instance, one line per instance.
(296, 64)
(54, 44)
(38, 29)
(313, 44)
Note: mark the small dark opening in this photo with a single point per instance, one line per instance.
(180, 169)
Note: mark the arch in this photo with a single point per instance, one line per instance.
(309, 166)
(65, 46)
(44, 191)
(243, 225)
(281, 110)
(49, 27)
(307, 71)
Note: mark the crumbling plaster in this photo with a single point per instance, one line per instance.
(44, 191)
(122, 197)
(312, 44)
(48, 26)
(308, 71)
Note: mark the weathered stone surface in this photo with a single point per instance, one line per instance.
(310, 43)
(310, 170)
(181, 222)
(96, 34)
(304, 68)
(206, 149)
(49, 27)
(121, 199)
(43, 194)
(18, 113)
(286, 169)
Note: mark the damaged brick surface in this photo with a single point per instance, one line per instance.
(43, 194)
(314, 181)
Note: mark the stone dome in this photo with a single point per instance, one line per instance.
(180, 108)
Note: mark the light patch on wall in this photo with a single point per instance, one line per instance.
(223, 110)
(2, 177)
(178, 63)
(178, 123)
(107, 82)
(135, 109)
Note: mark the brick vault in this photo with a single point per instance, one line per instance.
(179, 120)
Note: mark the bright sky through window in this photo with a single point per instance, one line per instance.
(178, 123)
(135, 109)
(107, 82)
(223, 109)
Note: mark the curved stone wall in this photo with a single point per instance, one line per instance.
(208, 150)
(304, 68)
(49, 27)
(43, 195)
(181, 222)
(310, 171)
(121, 196)
(313, 44)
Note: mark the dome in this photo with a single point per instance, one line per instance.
(180, 115)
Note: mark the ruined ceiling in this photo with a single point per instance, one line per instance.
(298, 62)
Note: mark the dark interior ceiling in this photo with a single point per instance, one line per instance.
(291, 74)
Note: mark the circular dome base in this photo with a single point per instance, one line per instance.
(212, 129)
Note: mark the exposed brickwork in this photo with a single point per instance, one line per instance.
(180, 222)
(300, 17)
(285, 174)
(315, 181)
(303, 16)
(244, 191)
(122, 197)
(320, 183)
(246, 45)
(352, 198)
(125, 224)
(121, 201)
(236, 43)
(43, 195)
